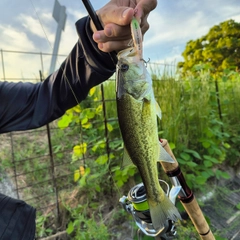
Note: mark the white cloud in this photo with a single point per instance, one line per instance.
(187, 21)
(162, 30)
(37, 35)
(76, 14)
(236, 18)
(69, 35)
(172, 24)
(18, 64)
(171, 58)
(14, 39)
(38, 26)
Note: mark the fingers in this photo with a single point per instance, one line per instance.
(112, 32)
(144, 7)
(144, 25)
(112, 38)
(117, 15)
(111, 46)
(116, 33)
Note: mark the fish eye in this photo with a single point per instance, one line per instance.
(124, 67)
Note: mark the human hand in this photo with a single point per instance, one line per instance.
(115, 18)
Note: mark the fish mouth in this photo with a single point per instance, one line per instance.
(128, 52)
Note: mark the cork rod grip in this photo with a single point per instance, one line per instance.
(191, 205)
(199, 221)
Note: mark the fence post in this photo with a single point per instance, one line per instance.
(14, 164)
(52, 164)
(3, 68)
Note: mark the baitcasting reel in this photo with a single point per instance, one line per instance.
(136, 204)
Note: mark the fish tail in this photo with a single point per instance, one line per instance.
(163, 211)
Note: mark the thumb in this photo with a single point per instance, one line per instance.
(144, 7)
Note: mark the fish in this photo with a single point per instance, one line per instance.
(137, 112)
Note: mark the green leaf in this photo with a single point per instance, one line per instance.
(185, 156)
(120, 183)
(87, 125)
(219, 237)
(226, 145)
(206, 144)
(100, 144)
(192, 164)
(97, 188)
(80, 149)
(76, 175)
(214, 160)
(194, 153)
(238, 206)
(132, 171)
(87, 113)
(209, 132)
(84, 120)
(181, 161)
(64, 121)
(207, 163)
(210, 172)
(200, 180)
(102, 159)
(70, 228)
(109, 127)
(59, 155)
(222, 174)
(207, 174)
(172, 145)
(82, 181)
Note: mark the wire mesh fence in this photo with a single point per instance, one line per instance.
(37, 165)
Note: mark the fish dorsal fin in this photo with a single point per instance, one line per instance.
(164, 156)
(158, 110)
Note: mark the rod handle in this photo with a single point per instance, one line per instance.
(190, 203)
(198, 219)
(168, 167)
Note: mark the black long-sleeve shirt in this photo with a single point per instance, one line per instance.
(26, 105)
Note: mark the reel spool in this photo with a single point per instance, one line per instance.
(136, 204)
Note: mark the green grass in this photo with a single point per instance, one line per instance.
(202, 141)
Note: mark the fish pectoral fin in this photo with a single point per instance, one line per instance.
(174, 193)
(126, 158)
(164, 156)
(158, 110)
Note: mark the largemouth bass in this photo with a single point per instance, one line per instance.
(137, 114)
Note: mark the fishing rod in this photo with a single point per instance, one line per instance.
(186, 195)
(136, 204)
(92, 14)
(136, 201)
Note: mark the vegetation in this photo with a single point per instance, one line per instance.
(219, 48)
(201, 140)
(204, 142)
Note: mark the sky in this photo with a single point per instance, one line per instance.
(28, 26)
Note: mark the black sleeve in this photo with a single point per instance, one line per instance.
(17, 219)
(26, 106)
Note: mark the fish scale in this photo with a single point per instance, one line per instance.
(137, 115)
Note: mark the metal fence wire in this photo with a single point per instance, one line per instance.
(37, 165)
